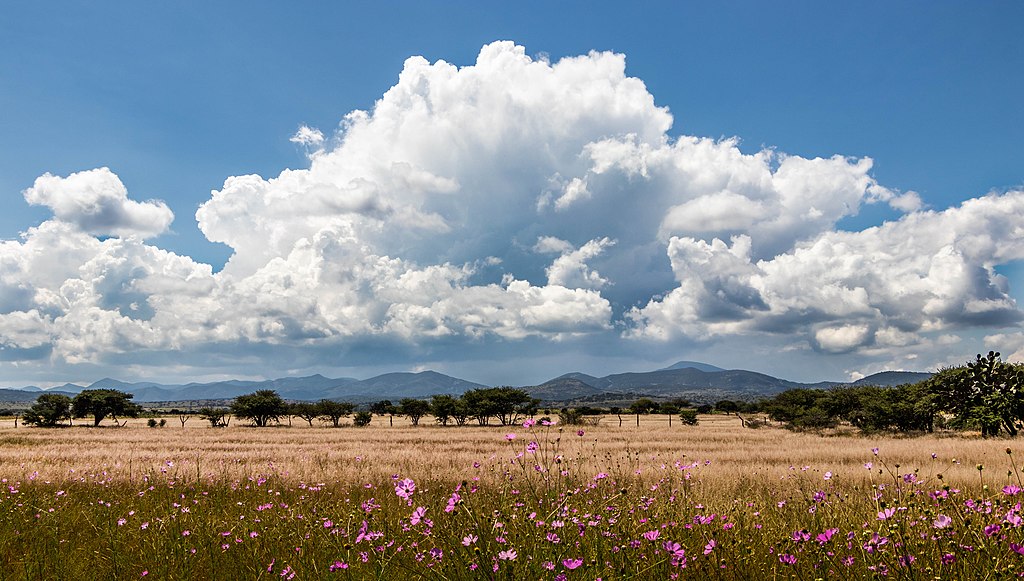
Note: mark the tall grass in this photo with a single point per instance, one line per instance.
(530, 502)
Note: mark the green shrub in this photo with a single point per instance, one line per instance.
(688, 417)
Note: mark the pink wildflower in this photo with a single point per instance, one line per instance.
(417, 515)
(337, 566)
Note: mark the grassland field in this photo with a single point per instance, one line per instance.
(714, 500)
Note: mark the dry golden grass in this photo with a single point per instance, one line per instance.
(355, 455)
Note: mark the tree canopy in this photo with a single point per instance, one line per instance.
(987, 394)
(100, 403)
(414, 409)
(261, 408)
(49, 410)
(332, 411)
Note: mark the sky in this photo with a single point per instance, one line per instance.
(507, 192)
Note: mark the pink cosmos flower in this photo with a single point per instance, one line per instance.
(572, 564)
(674, 549)
(509, 555)
(710, 547)
(826, 536)
(942, 521)
(417, 515)
(405, 488)
(452, 501)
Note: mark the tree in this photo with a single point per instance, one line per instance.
(261, 407)
(216, 417)
(332, 411)
(643, 406)
(384, 408)
(480, 405)
(802, 408)
(306, 410)
(727, 406)
(414, 408)
(460, 413)
(362, 419)
(506, 404)
(570, 416)
(688, 417)
(442, 407)
(100, 403)
(987, 393)
(49, 410)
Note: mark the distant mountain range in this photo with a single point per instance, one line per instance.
(686, 379)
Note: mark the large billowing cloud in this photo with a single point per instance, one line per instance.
(513, 200)
(96, 202)
(929, 271)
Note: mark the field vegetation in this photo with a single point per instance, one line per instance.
(188, 501)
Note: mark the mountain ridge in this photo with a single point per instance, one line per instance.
(685, 379)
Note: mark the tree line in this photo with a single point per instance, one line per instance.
(484, 406)
(986, 395)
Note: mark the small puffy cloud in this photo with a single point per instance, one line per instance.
(907, 202)
(308, 137)
(573, 192)
(552, 245)
(97, 202)
(842, 338)
(570, 270)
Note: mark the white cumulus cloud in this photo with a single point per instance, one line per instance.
(97, 202)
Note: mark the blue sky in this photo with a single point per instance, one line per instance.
(176, 98)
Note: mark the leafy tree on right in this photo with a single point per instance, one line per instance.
(988, 393)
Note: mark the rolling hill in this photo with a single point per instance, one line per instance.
(691, 380)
